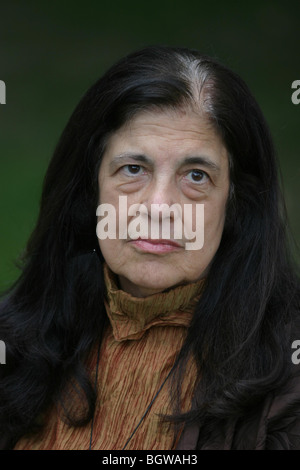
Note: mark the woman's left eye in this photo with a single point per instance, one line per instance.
(197, 176)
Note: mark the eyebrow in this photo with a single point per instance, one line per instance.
(135, 157)
(139, 158)
(201, 160)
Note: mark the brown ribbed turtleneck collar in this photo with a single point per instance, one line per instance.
(131, 316)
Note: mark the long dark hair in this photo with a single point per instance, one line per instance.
(54, 314)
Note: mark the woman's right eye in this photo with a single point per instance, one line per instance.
(131, 170)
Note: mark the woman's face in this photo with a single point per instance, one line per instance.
(163, 157)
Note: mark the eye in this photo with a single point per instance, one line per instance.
(197, 176)
(132, 170)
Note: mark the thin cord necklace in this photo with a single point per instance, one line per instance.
(147, 410)
(96, 381)
(145, 413)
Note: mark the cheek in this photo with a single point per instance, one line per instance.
(112, 252)
(104, 191)
(214, 219)
(105, 247)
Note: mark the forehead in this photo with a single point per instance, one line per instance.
(167, 134)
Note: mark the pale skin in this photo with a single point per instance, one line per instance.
(164, 157)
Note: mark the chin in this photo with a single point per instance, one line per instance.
(147, 284)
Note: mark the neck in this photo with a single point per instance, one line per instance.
(137, 291)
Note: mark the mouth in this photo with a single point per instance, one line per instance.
(156, 245)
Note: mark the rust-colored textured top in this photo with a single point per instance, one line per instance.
(137, 353)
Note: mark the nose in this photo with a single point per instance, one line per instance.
(162, 191)
(163, 207)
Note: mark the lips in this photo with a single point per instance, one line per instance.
(156, 245)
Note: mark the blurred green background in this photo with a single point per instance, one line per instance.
(51, 52)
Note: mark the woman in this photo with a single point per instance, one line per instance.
(137, 342)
